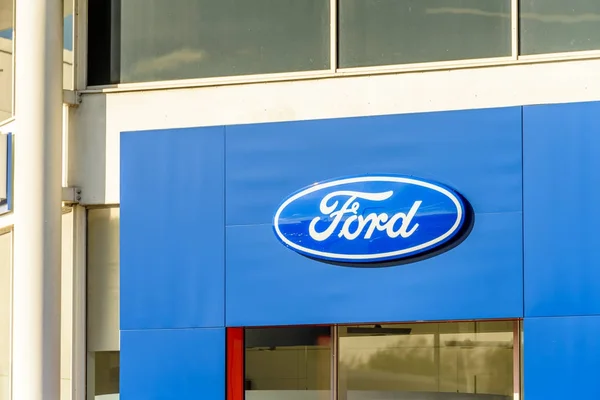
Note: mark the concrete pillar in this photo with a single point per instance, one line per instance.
(37, 200)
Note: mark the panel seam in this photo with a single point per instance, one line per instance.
(225, 225)
(523, 206)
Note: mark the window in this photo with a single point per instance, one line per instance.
(376, 32)
(554, 26)
(167, 40)
(106, 375)
(442, 361)
(291, 361)
(153, 40)
(103, 303)
(467, 357)
(5, 311)
(6, 59)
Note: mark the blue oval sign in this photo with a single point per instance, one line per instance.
(371, 218)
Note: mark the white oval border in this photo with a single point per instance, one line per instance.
(335, 256)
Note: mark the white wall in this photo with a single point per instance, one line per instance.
(101, 117)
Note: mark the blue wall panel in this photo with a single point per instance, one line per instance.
(477, 152)
(562, 216)
(267, 284)
(197, 206)
(178, 364)
(561, 358)
(172, 228)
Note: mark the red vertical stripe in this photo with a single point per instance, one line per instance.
(235, 363)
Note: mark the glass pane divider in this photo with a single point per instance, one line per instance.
(334, 360)
(517, 360)
(333, 35)
(514, 26)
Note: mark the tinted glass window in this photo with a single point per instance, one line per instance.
(288, 363)
(385, 32)
(446, 361)
(106, 375)
(155, 40)
(553, 26)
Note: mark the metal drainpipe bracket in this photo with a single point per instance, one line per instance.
(72, 98)
(71, 195)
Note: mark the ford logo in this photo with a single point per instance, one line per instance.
(369, 219)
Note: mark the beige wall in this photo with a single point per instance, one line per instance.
(5, 308)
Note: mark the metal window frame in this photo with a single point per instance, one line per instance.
(514, 58)
(514, 28)
(517, 354)
(79, 364)
(85, 386)
(517, 358)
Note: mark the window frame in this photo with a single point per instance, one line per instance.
(235, 356)
(86, 353)
(333, 72)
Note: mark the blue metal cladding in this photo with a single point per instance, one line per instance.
(271, 161)
(173, 364)
(275, 286)
(172, 229)
(561, 358)
(562, 217)
(198, 248)
(476, 152)
(369, 218)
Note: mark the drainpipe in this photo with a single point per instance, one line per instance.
(37, 200)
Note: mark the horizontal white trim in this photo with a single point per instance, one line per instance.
(101, 117)
(6, 124)
(328, 74)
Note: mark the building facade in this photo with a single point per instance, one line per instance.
(199, 165)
